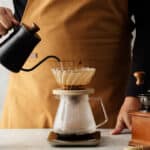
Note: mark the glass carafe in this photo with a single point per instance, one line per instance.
(74, 115)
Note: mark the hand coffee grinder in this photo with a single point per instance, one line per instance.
(141, 119)
(74, 124)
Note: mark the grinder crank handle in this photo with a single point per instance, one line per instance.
(139, 75)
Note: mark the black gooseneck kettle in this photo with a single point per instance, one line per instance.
(15, 50)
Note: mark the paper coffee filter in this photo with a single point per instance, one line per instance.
(73, 76)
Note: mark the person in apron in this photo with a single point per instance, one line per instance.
(72, 30)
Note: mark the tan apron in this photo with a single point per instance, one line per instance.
(94, 30)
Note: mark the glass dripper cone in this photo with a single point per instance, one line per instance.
(70, 75)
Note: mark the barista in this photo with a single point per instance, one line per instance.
(72, 30)
(140, 62)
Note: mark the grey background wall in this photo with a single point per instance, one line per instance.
(3, 72)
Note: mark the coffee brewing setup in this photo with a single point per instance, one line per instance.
(74, 122)
(141, 119)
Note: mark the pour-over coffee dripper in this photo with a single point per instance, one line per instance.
(74, 118)
(70, 75)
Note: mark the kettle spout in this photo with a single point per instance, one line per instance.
(44, 59)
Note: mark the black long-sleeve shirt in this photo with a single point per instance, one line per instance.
(19, 8)
(141, 49)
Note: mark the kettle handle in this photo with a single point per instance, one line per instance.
(100, 102)
(14, 30)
